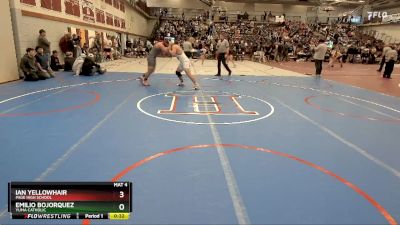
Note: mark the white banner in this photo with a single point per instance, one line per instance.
(279, 19)
(88, 11)
(392, 18)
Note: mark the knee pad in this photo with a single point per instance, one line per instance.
(179, 74)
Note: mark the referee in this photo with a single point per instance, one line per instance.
(222, 54)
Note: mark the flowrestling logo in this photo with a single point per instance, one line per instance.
(372, 15)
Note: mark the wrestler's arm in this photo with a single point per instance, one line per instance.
(172, 50)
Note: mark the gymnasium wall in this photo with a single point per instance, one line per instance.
(28, 19)
(8, 61)
(184, 4)
(392, 32)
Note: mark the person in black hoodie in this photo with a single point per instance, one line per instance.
(68, 61)
(90, 68)
(55, 62)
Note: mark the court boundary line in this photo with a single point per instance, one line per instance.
(343, 140)
(6, 111)
(393, 119)
(83, 105)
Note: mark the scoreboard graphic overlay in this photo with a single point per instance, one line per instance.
(70, 200)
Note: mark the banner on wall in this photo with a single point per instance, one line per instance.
(117, 21)
(392, 18)
(88, 11)
(72, 7)
(279, 19)
(109, 19)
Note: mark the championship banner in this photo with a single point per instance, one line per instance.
(279, 19)
(88, 11)
(109, 19)
(100, 16)
(117, 22)
(72, 7)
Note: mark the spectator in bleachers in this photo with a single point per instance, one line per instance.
(43, 63)
(187, 47)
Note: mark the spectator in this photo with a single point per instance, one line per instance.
(98, 42)
(28, 66)
(107, 48)
(383, 61)
(319, 56)
(68, 61)
(43, 42)
(187, 47)
(391, 58)
(55, 64)
(66, 43)
(77, 66)
(90, 68)
(43, 63)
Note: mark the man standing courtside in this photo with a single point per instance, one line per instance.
(383, 60)
(43, 42)
(319, 56)
(390, 58)
(222, 54)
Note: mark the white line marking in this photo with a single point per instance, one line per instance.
(370, 109)
(238, 205)
(74, 148)
(31, 102)
(346, 96)
(62, 87)
(344, 141)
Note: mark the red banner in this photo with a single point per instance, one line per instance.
(72, 7)
(109, 19)
(100, 16)
(88, 11)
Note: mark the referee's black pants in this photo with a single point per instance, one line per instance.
(383, 61)
(221, 58)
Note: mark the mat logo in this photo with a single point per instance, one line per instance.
(206, 104)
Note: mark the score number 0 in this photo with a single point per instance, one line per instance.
(121, 195)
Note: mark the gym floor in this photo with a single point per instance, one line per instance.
(265, 146)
